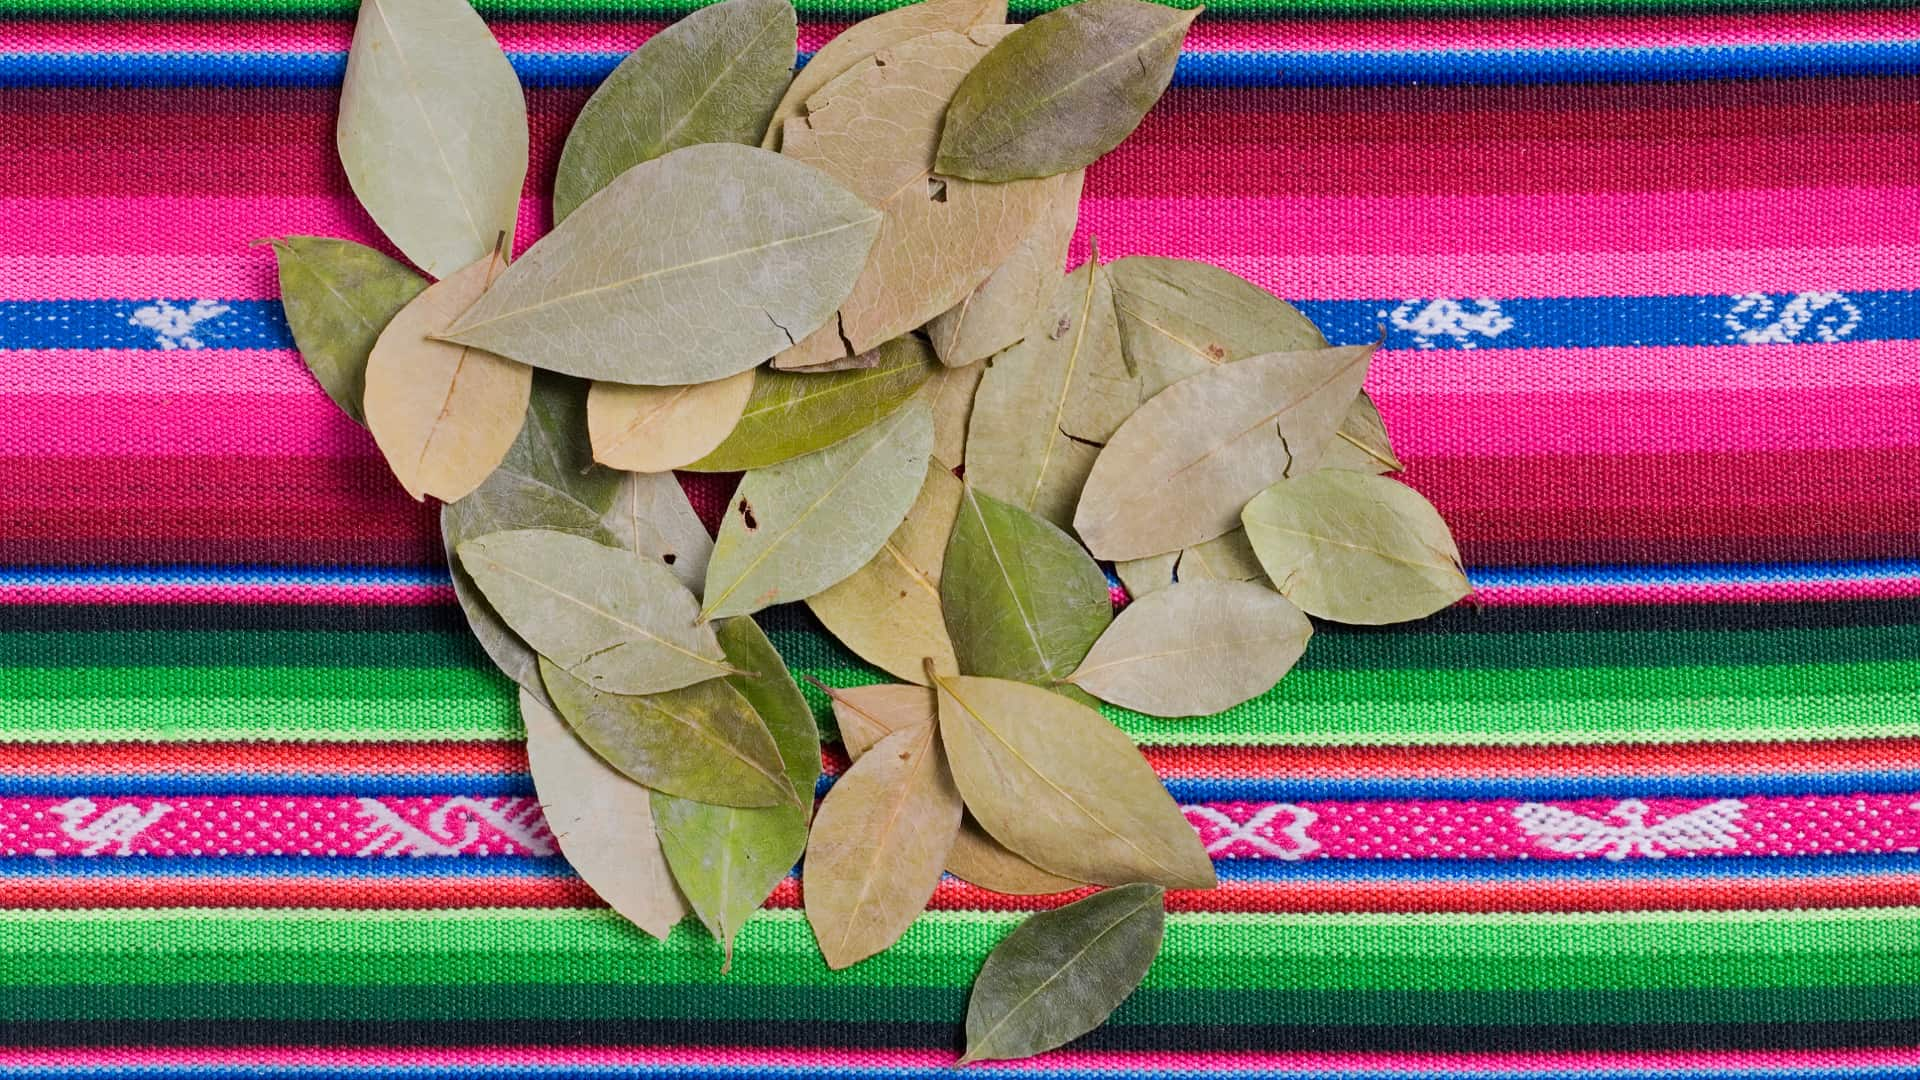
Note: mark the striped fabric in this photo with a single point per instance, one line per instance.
(1649, 276)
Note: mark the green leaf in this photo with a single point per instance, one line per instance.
(338, 296)
(684, 269)
(1180, 318)
(651, 517)
(728, 859)
(1199, 648)
(855, 44)
(1361, 443)
(433, 131)
(1180, 469)
(888, 611)
(999, 311)
(712, 77)
(602, 822)
(1228, 557)
(1022, 599)
(657, 428)
(1055, 782)
(1356, 548)
(701, 742)
(1062, 92)
(878, 846)
(547, 481)
(624, 625)
(1063, 972)
(802, 525)
(790, 414)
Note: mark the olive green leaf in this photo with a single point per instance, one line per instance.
(433, 131)
(950, 393)
(657, 428)
(1062, 92)
(888, 611)
(338, 296)
(547, 481)
(999, 310)
(873, 129)
(712, 77)
(442, 414)
(1355, 548)
(1361, 443)
(1227, 557)
(1063, 972)
(623, 624)
(859, 42)
(684, 269)
(1179, 470)
(1179, 318)
(790, 414)
(1022, 599)
(1194, 650)
(1059, 785)
(701, 742)
(878, 845)
(602, 822)
(797, 527)
(727, 859)
(651, 517)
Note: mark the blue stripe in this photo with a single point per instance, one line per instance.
(1265, 69)
(1426, 323)
(382, 785)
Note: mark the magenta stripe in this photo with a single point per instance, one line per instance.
(374, 595)
(1891, 588)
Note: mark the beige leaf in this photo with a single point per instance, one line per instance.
(888, 611)
(878, 845)
(1199, 648)
(602, 821)
(874, 129)
(657, 428)
(651, 515)
(1054, 781)
(1000, 310)
(858, 43)
(951, 392)
(981, 860)
(443, 414)
(1181, 468)
(1228, 557)
(1361, 444)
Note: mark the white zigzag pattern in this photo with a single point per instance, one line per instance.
(1249, 831)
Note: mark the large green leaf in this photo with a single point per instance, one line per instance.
(1022, 599)
(712, 77)
(338, 296)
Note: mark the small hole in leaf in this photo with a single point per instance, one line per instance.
(936, 189)
(1060, 328)
(670, 558)
(746, 515)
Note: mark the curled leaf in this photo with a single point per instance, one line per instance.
(1062, 92)
(1196, 649)
(443, 414)
(712, 77)
(433, 131)
(656, 428)
(800, 526)
(1063, 972)
(1355, 548)
(338, 296)
(684, 269)
(602, 821)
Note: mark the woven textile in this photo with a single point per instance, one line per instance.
(1649, 807)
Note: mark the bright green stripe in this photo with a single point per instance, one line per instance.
(719, 999)
(1222, 952)
(831, 11)
(312, 683)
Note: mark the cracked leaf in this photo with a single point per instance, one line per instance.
(999, 311)
(684, 269)
(1228, 557)
(433, 131)
(888, 611)
(444, 415)
(1356, 548)
(795, 528)
(1199, 648)
(1181, 468)
(657, 428)
(712, 77)
(338, 296)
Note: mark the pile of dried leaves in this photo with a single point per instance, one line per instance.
(886, 229)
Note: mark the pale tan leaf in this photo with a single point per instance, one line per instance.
(1196, 649)
(651, 515)
(981, 860)
(1181, 468)
(888, 611)
(443, 414)
(1228, 557)
(602, 821)
(951, 392)
(657, 428)
(1361, 444)
(878, 845)
(999, 311)
(1059, 785)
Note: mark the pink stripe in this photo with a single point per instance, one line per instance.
(1690, 593)
(227, 594)
(1460, 830)
(154, 371)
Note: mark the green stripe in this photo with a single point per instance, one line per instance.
(722, 1001)
(943, 949)
(847, 9)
